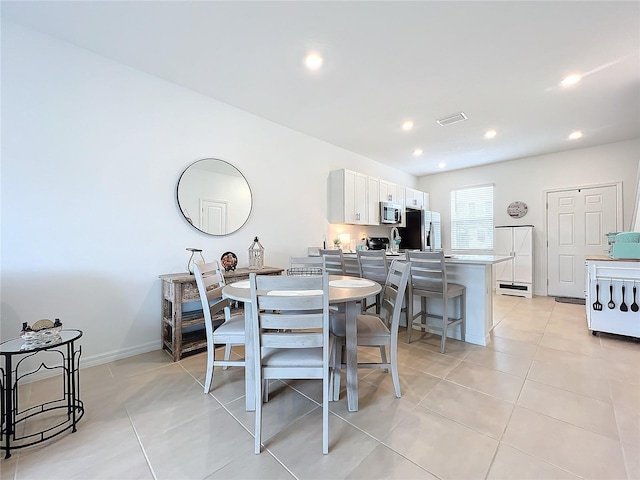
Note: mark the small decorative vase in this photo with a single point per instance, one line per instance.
(196, 257)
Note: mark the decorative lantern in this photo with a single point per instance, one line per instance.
(196, 257)
(256, 255)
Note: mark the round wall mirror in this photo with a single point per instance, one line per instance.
(214, 196)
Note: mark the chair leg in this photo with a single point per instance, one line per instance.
(445, 321)
(227, 354)
(393, 348)
(383, 356)
(333, 343)
(209, 375)
(338, 368)
(325, 412)
(463, 316)
(258, 424)
(409, 318)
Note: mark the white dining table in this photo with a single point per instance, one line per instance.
(342, 290)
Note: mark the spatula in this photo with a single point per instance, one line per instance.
(611, 304)
(597, 305)
(623, 306)
(634, 305)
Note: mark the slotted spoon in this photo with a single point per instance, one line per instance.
(611, 304)
(597, 305)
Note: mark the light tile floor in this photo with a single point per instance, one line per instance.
(545, 400)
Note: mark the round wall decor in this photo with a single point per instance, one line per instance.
(517, 209)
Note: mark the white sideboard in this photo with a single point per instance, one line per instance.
(514, 278)
(604, 281)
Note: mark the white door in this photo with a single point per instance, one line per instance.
(213, 216)
(577, 221)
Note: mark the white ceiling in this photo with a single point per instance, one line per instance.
(384, 62)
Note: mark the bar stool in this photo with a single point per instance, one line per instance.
(373, 266)
(429, 280)
(333, 261)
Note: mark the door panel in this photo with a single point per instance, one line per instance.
(213, 216)
(577, 221)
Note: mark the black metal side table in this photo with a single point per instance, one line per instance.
(60, 414)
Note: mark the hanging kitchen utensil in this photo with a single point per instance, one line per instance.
(634, 305)
(611, 305)
(623, 306)
(597, 305)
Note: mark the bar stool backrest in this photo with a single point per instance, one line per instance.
(428, 271)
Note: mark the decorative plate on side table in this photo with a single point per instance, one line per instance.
(229, 261)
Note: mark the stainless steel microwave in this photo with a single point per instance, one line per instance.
(390, 213)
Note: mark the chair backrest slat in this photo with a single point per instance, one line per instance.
(394, 293)
(333, 261)
(428, 271)
(351, 266)
(210, 280)
(290, 311)
(373, 265)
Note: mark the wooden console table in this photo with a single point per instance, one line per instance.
(183, 330)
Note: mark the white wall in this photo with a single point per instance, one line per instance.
(527, 180)
(91, 154)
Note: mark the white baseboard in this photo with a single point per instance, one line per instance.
(95, 360)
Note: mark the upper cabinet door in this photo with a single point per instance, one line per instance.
(414, 198)
(348, 197)
(390, 192)
(373, 201)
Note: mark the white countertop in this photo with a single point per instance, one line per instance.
(459, 259)
(477, 259)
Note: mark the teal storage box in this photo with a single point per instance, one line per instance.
(626, 245)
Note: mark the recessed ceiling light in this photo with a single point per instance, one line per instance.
(571, 79)
(407, 125)
(575, 135)
(442, 165)
(490, 134)
(313, 61)
(417, 151)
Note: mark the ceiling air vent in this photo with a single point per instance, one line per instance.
(455, 118)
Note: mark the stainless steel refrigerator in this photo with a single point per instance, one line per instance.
(422, 231)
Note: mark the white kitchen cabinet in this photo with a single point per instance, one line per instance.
(515, 277)
(348, 198)
(390, 192)
(414, 198)
(426, 201)
(373, 201)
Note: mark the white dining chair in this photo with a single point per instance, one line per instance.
(429, 280)
(292, 340)
(375, 330)
(230, 332)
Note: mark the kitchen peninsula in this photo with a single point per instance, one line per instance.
(474, 272)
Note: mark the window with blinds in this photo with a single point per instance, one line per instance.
(472, 218)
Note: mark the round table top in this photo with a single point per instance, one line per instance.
(341, 289)
(18, 345)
